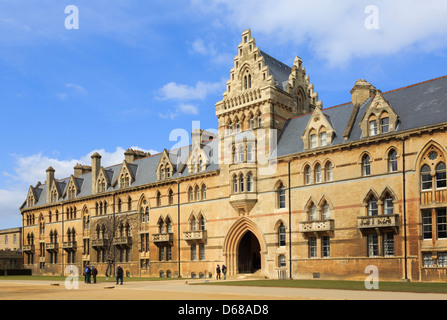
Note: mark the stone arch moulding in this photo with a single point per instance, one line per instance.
(233, 238)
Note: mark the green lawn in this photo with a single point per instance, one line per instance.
(344, 285)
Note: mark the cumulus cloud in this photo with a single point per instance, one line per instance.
(29, 169)
(183, 92)
(336, 30)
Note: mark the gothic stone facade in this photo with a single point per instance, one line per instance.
(284, 189)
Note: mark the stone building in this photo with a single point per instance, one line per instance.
(286, 189)
(11, 256)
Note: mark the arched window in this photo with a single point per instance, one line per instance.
(241, 183)
(313, 213)
(323, 139)
(426, 179)
(282, 235)
(392, 161)
(235, 188)
(307, 175)
(197, 193)
(313, 141)
(190, 194)
(373, 126)
(241, 154)
(203, 192)
(373, 209)
(318, 176)
(440, 177)
(366, 165)
(281, 194)
(388, 204)
(171, 197)
(326, 211)
(249, 153)
(158, 199)
(329, 176)
(249, 182)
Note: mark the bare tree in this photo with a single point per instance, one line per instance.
(112, 230)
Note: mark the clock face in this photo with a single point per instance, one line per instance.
(433, 155)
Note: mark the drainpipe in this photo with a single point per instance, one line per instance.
(405, 206)
(290, 225)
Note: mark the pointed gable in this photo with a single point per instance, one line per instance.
(165, 168)
(73, 188)
(379, 118)
(319, 131)
(126, 176)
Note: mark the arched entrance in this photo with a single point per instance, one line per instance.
(249, 254)
(244, 248)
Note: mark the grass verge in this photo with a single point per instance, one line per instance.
(417, 287)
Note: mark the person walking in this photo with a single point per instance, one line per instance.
(224, 271)
(88, 273)
(119, 274)
(94, 274)
(218, 272)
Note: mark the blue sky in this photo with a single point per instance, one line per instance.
(136, 70)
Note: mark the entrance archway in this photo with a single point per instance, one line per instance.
(244, 248)
(249, 254)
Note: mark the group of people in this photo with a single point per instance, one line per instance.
(219, 270)
(92, 272)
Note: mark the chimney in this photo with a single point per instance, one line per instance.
(96, 166)
(361, 92)
(79, 170)
(131, 155)
(49, 182)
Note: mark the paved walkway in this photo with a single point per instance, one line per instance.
(187, 290)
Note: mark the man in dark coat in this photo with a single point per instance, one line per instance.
(119, 274)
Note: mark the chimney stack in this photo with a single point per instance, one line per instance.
(96, 166)
(49, 182)
(361, 92)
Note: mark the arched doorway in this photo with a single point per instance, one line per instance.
(249, 254)
(244, 248)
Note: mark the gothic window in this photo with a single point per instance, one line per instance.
(241, 183)
(312, 212)
(158, 199)
(385, 124)
(426, 179)
(249, 153)
(326, 211)
(190, 194)
(171, 197)
(281, 194)
(313, 141)
(235, 188)
(323, 139)
(203, 192)
(249, 182)
(440, 177)
(329, 176)
(307, 175)
(318, 175)
(373, 126)
(282, 235)
(373, 209)
(392, 161)
(366, 165)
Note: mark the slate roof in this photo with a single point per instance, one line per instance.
(418, 105)
(280, 71)
(144, 171)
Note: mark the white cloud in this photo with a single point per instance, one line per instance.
(207, 48)
(336, 30)
(181, 109)
(183, 92)
(75, 90)
(28, 170)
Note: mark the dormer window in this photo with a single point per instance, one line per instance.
(385, 125)
(313, 141)
(323, 139)
(372, 127)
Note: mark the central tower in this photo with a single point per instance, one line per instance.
(261, 95)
